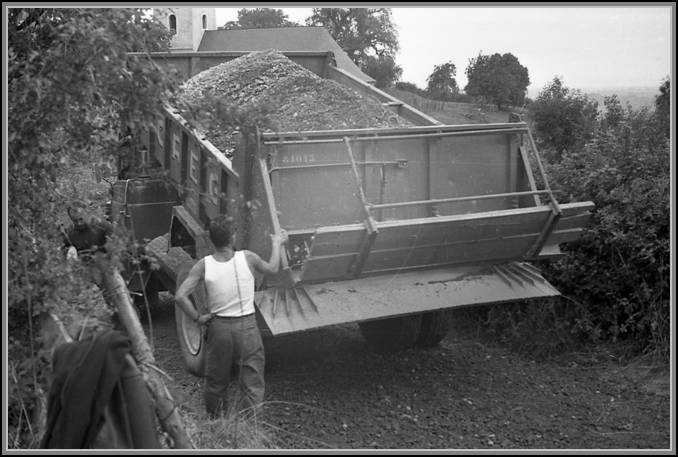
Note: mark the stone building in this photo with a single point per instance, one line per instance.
(189, 25)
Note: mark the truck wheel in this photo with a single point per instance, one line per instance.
(434, 327)
(190, 335)
(393, 334)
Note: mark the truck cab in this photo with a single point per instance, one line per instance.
(142, 206)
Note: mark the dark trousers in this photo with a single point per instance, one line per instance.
(233, 344)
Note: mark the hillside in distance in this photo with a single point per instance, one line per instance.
(453, 113)
(637, 97)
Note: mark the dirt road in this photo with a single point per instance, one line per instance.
(327, 389)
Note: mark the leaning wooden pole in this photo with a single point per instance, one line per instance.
(116, 293)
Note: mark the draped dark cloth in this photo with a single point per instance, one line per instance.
(98, 398)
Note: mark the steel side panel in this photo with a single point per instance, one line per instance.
(462, 166)
(318, 269)
(331, 303)
(459, 239)
(310, 195)
(397, 184)
(317, 196)
(575, 221)
(439, 231)
(498, 249)
(429, 231)
(175, 154)
(412, 256)
(324, 197)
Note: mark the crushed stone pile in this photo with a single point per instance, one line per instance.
(296, 98)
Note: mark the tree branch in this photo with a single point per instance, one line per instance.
(116, 291)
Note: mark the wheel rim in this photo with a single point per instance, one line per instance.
(191, 334)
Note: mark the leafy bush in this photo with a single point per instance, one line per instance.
(72, 85)
(620, 267)
(615, 279)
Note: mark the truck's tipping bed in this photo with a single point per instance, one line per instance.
(381, 222)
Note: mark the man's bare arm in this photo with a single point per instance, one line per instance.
(273, 264)
(194, 277)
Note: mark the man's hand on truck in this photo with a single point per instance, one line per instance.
(279, 239)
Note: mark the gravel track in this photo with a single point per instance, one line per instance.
(327, 390)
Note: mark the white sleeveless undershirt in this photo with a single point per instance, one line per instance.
(222, 290)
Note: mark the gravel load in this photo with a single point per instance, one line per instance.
(295, 98)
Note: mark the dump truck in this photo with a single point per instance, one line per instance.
(388, 228)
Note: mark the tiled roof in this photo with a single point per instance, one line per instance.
(281, 39)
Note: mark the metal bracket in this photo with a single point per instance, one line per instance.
(288, 277)
(551, 222)
(365, 248)
(371, 229)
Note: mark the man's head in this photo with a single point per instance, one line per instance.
(78, 215)
(220, 231)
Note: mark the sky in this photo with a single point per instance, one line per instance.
(588, 47)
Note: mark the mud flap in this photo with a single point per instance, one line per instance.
(308, 306)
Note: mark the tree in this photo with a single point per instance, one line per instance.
(564, 119)
(72, 86)
(613, 114)
(662, 103)
(259, 18)
(367, 35)
(442, 84)
(500, 79)
(383, 69)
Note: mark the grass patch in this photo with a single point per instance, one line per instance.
(232, 430)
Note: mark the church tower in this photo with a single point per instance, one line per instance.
(188, 25)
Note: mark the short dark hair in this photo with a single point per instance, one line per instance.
(220, 231)
(75, 206)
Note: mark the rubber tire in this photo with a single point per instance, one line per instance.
(392, 334)
(190, 335)
(434, 328)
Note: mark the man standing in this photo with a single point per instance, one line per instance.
(233, 338)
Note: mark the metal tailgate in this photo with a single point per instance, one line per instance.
(494, 236)
(388, 223)
(308, 306)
